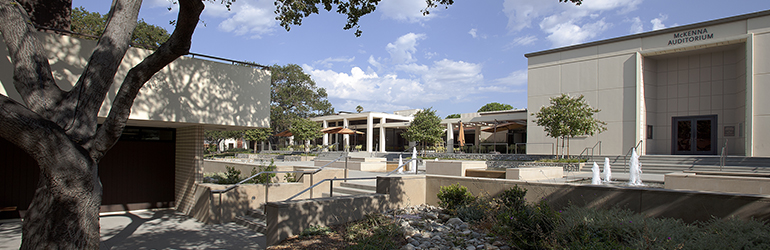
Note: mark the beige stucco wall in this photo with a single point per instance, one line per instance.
(192, 91)
(643, 79)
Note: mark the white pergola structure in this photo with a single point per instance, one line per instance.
(366, 122)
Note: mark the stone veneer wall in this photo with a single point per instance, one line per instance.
(189, 165)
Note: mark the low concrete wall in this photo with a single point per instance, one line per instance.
(686, 205)
(370, 166)
(285, 219)
(207, 207)
(534, 173)
(453, 168)
(214, 166)
(742, 183)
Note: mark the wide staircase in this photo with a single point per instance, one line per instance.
(253, 219)
(663, 164)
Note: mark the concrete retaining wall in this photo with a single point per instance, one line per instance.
(453, 168)
(686, 205)
(742, 183)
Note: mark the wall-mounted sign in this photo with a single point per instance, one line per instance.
(691, 36)
(729, 131)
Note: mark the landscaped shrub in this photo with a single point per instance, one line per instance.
(375, 232)
(232, 176)
(315, 230)
(476, 210)
(263, 178)
(513, 197)
(454, 196)
(529, 226)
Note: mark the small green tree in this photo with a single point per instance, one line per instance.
(568, 117)
(359, 108)
(425, 128)
(145, 35)
(216, 136)
(305, 130)
(452, 116)
(257, 135)
(495, 106)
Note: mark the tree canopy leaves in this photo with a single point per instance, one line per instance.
(295, 95)
(569, 117)
(305, 129)
(425, 128)
(495, 106)
(452, 116)
(92, 23)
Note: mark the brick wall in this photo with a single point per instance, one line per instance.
(189, 165)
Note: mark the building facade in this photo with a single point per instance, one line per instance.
(691, 90)
(159, 157)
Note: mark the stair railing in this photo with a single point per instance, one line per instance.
(592, 149)
(628, 154)
(331, 185)
(303, 172)
(331, 181)
(723, 156)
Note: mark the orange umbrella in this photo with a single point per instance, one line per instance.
(461, 135)
(330, 130)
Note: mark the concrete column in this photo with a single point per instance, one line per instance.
(382, 134)
(477, 139)
(369, 132)
(450, 138)
(188, 166)
(326, 136)
(345, 138)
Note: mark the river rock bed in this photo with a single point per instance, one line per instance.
(428, 227)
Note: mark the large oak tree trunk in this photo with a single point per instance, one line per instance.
(64, 212)
(59, 128)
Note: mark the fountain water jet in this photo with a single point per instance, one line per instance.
(596, 180)
(634, 170)
(400, 162)
(607, 172)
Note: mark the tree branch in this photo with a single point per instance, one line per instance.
(28, 130)
(177, 45)
(31, 72)
(89, 92)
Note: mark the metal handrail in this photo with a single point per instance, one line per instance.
(629, 153)
(274, 172)
(332, 184)
(525, 143)
(723, 156)
(598, 143)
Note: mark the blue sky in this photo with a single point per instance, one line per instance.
(454, 60)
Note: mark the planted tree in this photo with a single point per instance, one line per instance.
(257, 135)
(295, 95)
(494, 106)
(217, 136)
(145, 35)
(359, 108)
(452, 116)
(568, 117)
(305, 130)
(425, 128)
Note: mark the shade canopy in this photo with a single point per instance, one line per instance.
(340, 130)
(503, 127)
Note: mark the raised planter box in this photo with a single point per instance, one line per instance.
(534, 173)
(567, 167)
(453, 168)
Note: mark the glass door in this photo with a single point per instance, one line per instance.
(694, 135)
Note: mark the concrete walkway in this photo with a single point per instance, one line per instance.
(162, 229)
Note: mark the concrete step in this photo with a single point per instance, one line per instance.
(253, 219)
(344, 191)
(358, 185)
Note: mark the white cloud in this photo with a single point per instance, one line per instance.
(473, 32)
(407, 85)
(402, 50)
(657, 23)
(555, 18)
(374, 62)
(565, 34)
(636, 25)
(405, 10)
(253, 18)
(215, 9)
(329, 62)
(524, 40)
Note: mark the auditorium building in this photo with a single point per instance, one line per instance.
(686, 90)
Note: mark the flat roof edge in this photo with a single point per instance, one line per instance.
(652, 33)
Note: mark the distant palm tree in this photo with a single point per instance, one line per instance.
(359, 108)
